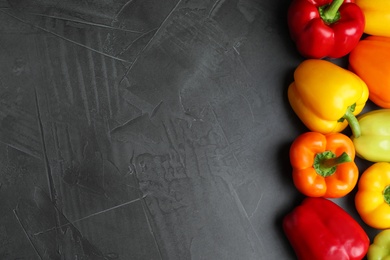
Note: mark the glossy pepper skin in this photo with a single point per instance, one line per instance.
(320, 229)
(372, 200)
(370, 60)
(374, 142)
(380, 248)
(376, 16)
(325, 28)
(323, 165)
(327, 97)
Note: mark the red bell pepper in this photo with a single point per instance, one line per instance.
(325, 28)
(319, 229)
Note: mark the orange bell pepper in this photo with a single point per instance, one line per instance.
(323, 164)
(370, 60)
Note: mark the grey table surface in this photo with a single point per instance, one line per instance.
(154, 129)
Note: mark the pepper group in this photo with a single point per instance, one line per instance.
(330, 101)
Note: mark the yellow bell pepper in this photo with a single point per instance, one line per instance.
(327, 97)
(372, 199)
(377, 16)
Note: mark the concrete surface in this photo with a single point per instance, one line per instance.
(146, 129)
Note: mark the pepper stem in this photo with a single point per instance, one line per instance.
(326, 163)
(386, 194)
(330, 13)
(352, 121)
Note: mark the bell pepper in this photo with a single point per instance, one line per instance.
(327, 97)
(376, 16)
(323, 165)
(374, 141)
(370, 60)
(325, 28)
(319, 229)
(372, 199)
(380, 248)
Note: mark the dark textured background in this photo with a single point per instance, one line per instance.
(146, 129)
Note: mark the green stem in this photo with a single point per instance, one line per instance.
(330, 13)
(386, 194)
(353, 122)
(326, 163)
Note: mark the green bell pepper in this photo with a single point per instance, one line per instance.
(380, 248)
(374, 142)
